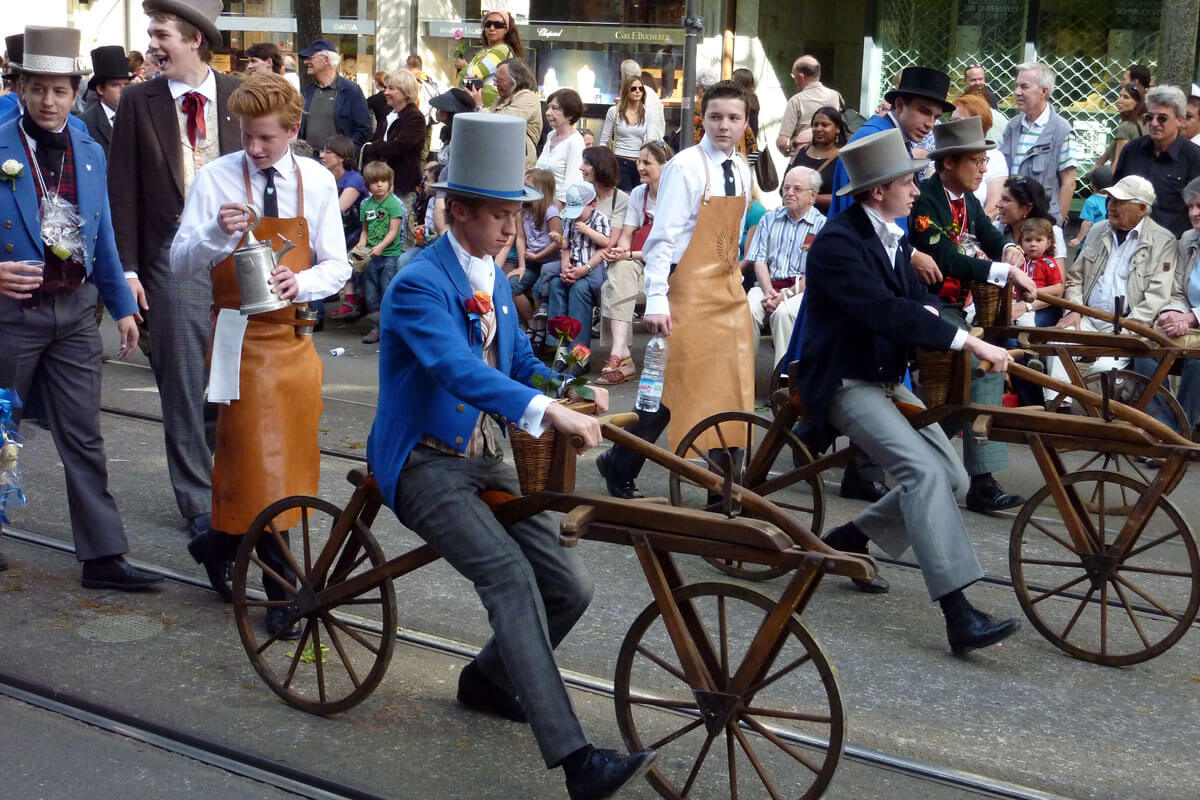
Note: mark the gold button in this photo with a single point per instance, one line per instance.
(458, 440)
(8, 223)
(461, 406)
(8, 248)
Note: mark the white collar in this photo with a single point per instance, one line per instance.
(481, 272)
(1042, 119)
(884, 229)
(285, 167)
(207, 87)
(1135, 233)
(952, 195)
(109, 113)
(715, 153)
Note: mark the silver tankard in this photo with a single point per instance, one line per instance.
(255, 261)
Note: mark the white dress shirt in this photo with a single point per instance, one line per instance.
(889, 234)
(481, 275)
(200, 242)
(1112, 281)
(109, 113)
(680, 190)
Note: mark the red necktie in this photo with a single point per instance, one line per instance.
(959, 209)
(193, 107)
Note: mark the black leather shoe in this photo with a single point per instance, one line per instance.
(276, 623)
(973, 629)
(199, 524)
(623, 489)
(604, 772)
(478, 693)
(215, 553)
(856, 487)
(117, 573)
(986, 495)
(849, 539)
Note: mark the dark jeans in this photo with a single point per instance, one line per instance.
(629, 174)
(1189, 391)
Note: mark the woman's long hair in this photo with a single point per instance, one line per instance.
(511, 37)
(1139, 99)
(625, 100)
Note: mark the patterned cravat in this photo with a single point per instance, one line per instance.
(959, 209)
(193, 107)
(483, 438)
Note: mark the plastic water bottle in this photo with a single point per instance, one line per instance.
(654, 366)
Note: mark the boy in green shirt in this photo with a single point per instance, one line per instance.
(382, 216)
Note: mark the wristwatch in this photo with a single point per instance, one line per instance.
(1028, 306)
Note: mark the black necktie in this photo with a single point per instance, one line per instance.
(270, 201)
(730, 183)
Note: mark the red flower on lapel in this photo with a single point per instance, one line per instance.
(479, 303)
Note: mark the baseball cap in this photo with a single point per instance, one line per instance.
(577, 196)
(318, 46)
(1132, 187)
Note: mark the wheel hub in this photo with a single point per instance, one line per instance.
(1100, 567)
(716, 708)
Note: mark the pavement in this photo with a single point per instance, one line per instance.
(1022, 712)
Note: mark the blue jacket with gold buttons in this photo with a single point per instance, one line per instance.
(20, 220)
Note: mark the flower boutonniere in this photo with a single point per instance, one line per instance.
(10, 171)
(477, 305)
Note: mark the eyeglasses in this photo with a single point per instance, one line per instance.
(636, 89)
(495, 23)
(978, 161)
(1161, 119)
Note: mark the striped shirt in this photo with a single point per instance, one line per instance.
(1030, 131)
(783, 244)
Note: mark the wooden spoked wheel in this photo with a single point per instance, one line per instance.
(1129, 389)
(337, 661)
(783, 737)
(1097, 603)
(804, 499)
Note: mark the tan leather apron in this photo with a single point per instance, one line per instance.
(267, 446)
(710, 360)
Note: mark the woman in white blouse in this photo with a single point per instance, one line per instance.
(626, 128)
(563, 152)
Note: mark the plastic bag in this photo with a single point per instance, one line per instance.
(62, 228)
(10, 448)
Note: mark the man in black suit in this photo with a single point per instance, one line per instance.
(865, 309)
(110, 76)
(948, 223)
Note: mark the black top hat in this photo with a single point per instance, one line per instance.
(932, 84)
(453, 101)
(108, 62)
(15, 47)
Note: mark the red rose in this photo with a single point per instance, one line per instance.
(479, 303)
(921, 224)
(564, 327)
(580, 354)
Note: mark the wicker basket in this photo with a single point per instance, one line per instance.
(936, 368)
(987, 304)
(533, 456)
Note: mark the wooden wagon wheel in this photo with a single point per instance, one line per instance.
(1130, 388)
(805, 499)
(333, 665)
(1102, 605)
(783, 737)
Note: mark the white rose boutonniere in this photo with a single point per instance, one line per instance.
(10, 170)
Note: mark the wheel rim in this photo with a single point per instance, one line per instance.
(791, 720)
(334, 664)
(805, 500)
(1103, 606)
(1131, 387)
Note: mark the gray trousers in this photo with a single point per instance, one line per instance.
(922, 510)
(58, 345)
(180, 320)
(534, 590)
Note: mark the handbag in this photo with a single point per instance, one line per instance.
(764, 170)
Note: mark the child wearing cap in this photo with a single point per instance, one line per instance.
(575, 290)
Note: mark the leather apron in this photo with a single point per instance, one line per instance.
(710, 360)
(267, 446)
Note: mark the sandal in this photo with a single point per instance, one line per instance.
(613, 371)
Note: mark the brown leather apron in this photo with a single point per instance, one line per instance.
(267, 446)
(710, 361)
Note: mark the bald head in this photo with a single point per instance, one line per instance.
(806, 70)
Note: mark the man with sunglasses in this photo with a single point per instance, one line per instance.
(1163, 157)
(1038, 143)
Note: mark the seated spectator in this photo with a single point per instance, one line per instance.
(539, 240)
(779, 252)
(1095, 208)
(575, 290)
(1130, 109)
(1127, 255)
(1180, 317)
(420, 229)
(337, 155)
(1022, 199)
(589, 137)
(625, 261)
(829, 135)
(563, 151)
(1163, 157)
(600, 169)
(1036, 239)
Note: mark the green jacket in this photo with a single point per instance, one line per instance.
(934, 203)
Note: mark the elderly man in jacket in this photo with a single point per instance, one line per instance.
(332, 104)
(1128, 255)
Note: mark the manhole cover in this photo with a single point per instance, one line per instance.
(120, 628)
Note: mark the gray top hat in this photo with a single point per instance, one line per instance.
(876, 159)
(960, 136)
(201, 13)
(487, 158)
(51, 51)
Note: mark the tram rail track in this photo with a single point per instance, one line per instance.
(283, 776)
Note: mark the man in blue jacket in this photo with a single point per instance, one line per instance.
(56, 228)
(332, 104)
(453, 360)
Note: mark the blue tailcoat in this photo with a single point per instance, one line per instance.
(21, 227)
(432, 378)
(877, 123)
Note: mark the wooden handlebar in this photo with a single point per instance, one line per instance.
(622, 420)
(985, 366)
(1133, 326)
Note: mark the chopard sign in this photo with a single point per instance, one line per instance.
(549, 33)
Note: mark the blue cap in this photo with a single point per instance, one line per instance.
(318, 46)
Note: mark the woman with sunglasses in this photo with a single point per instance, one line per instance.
(627, 128)
(500, 43)
(1130, 107)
